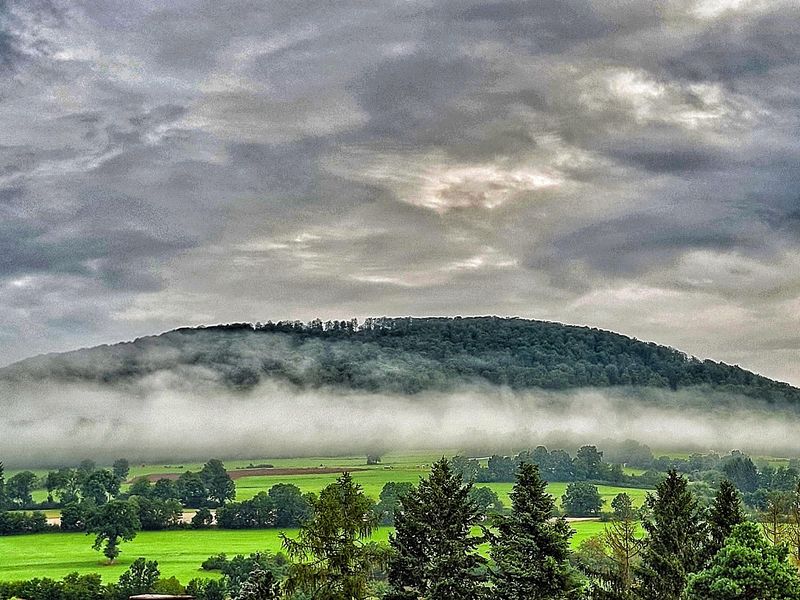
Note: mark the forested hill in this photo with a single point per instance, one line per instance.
(403, 355)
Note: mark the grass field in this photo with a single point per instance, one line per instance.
(178, 553)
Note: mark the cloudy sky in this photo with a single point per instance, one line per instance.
(631, 165)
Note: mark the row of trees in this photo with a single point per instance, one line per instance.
(686, 552)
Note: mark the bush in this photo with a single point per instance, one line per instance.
(13, 523)
(216, 562)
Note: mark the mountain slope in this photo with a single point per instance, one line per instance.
(403, 355)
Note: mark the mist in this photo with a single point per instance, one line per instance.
(184, 416)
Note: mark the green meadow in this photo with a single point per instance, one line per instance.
(179, 553)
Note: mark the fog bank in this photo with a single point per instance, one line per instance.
(166, 417)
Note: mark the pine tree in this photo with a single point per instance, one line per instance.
(531, 550)
(725, 513)
(434, 552)
(676, 535)
(335, 557)
(747, 567)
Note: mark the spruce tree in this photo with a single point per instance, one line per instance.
(747, 567)
(725, 513)
(531, 549)
(676, 535)
(434, 552)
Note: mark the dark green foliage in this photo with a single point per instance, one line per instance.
(220, 487)
(531, 549)
(589, 463)
(725, 513)
(169, 587)
(742, 472)
(582, 500)
(141, 487)
(75, 516)
(292, 507)
(676, 535)
(486, 499)
(155, 514)
(19, 487)
(140, 578)
(335, 559)
(434, 552)
(202, 519)
(121, 469)
(99, 486)
(206, 589)
(425, 354)
(12, 523)
(389, 501)
(747, 568)
(215, 562)
(191, 490)
(257, 513)
(164, 489)
(72, 587)
(238, 569)
(261, 584)
(112, 523)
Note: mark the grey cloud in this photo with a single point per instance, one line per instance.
(204, 161)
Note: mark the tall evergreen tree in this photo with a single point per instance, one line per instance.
(435, 553)
(747, 567)
(725, 513)
(676, 535)
(531, 549)
(335, 556)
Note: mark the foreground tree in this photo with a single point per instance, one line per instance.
(113, 523)
(793, 534)
(746, 568)
(531, 550)
(676, 535)
(140, 578)
(332, 547)
(775, 518)
(434, 550)
(260, 584)
(621, 538)
(725, 514)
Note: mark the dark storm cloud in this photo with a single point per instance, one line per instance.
(624, 164)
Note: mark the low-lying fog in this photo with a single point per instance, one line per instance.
(167, 417)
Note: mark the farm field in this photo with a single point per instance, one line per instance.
(407, 467)
(179, 553)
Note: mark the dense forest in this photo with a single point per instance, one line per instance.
(404, 355)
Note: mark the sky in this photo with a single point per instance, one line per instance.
(627, 165)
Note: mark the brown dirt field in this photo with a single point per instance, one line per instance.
(239, 473)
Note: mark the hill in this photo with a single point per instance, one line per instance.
(403, 355)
